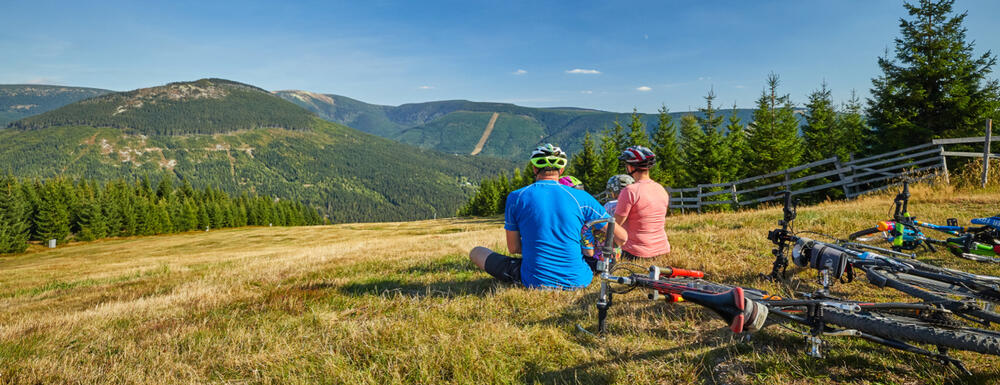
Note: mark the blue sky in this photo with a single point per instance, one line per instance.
(627, 54)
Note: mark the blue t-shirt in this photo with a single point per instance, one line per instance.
(549, 217)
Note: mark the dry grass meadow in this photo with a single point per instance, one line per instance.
(400, 303)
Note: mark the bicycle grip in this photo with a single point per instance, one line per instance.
(675, 272)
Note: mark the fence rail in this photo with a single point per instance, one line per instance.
(853, 178)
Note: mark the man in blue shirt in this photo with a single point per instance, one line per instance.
(543, 222)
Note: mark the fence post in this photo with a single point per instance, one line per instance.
(682, 201)
(986, 150)
(736, 199)
(944, 165)
(840, 174)
(699, 199)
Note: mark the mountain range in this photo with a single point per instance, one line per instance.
(239, 137)
(457, 126)
(22, 100)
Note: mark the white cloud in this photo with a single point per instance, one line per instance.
(704, 78)
(520, 72)
(586, 92)
(740, 86)
(583, 72)
(427, 87)
(644, 89)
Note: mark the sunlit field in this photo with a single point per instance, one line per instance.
(401, 303)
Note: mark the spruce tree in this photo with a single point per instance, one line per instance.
(585, 166)
(91, 222)
(736, 139)
(773, 136)
(637, 135)
(934, 86)
(709, 162)
(691, 138)
(52, 219)
(852, 127)
(669, 170)
(14, 221)
(820, 133)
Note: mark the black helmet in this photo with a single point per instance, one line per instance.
(638, 156)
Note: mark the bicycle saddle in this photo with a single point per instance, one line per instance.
(741, 313)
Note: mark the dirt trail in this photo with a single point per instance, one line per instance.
(486, 134)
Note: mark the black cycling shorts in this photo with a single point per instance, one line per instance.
(504, 268)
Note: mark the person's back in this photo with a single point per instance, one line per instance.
(543, 223)
(645, 204)
(549, 217)
(642, 207)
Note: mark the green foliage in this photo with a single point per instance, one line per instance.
(934, 86)
(14, 217)
(856, 135)
(773, 135)
(637, 134)
(739, 148)
(821, 133)
(584, 166)
(84, 210)
(669, 169)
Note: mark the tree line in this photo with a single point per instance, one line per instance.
(934, 87)
(84, 210)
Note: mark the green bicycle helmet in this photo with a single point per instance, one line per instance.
(548, 157)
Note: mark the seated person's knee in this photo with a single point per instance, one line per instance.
(478, 256)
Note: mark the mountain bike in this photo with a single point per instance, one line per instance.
(904, 233)
(969, 296)
(896, 325)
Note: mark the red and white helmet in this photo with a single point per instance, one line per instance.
(638, 156)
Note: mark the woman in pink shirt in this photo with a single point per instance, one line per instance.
(642, 207)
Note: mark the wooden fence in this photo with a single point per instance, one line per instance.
(853, 178)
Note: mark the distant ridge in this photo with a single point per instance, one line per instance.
(237, 137)
(22, 100)
(455, 126)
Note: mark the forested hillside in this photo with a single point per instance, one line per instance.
(21, 100)
(347, 174)
(455, 126)
(206, 106)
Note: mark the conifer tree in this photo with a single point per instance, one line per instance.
(820, 133)
(773, 135)
(585, 166)
(91, 222)
(736, 138)
(691, 138)
(14, 226)
(709, 161)
(934, 87)
(637, 135)
(669, 170)
(52, 219)
(856, 136)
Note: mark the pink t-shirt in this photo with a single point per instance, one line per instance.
(644, 203)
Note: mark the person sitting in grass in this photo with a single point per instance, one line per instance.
(543, 222)
(642, 207)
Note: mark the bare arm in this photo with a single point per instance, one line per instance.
(514, 242)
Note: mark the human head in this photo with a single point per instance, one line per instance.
(571, 181)
(637, 158)
(548, 161)
(617, 183)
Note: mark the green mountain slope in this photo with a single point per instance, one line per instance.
(350, 175)
(455, 126)
(22, 100)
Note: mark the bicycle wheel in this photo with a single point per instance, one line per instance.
(865, 235)
(952, 297)
(903, 328)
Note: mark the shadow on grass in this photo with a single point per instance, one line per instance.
(440, 289)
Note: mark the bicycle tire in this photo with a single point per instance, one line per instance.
(935, 292)
(859, 234)
(968, 339)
